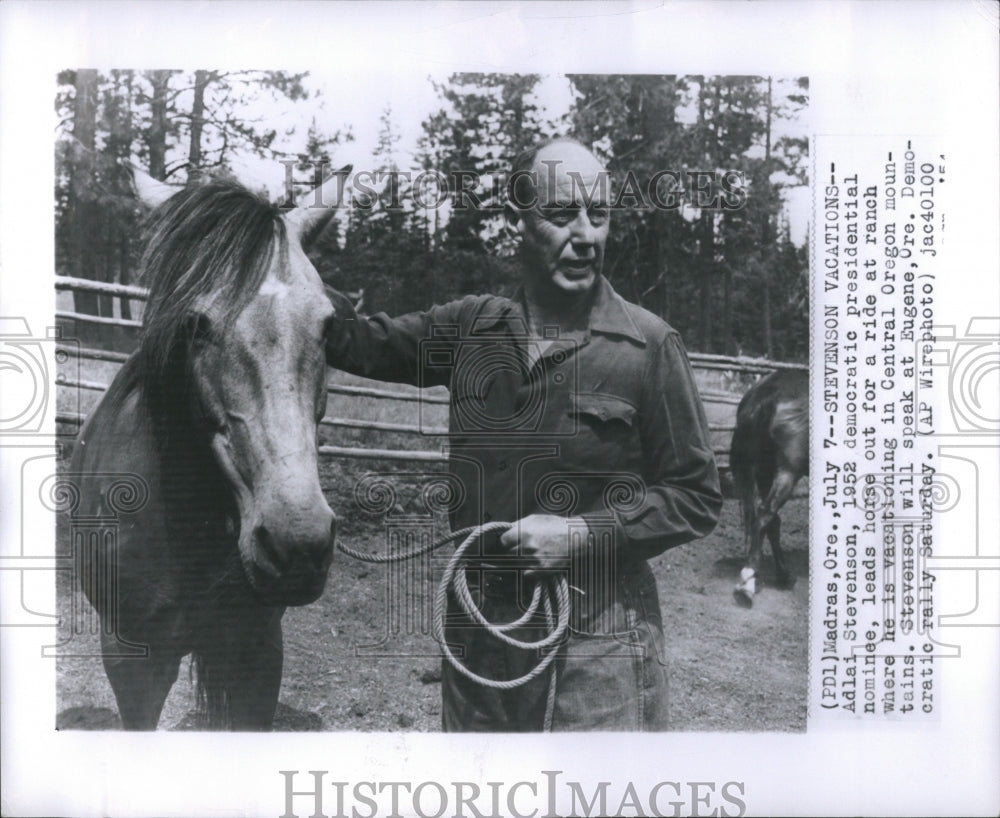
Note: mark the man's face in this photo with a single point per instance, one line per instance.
(563, 235)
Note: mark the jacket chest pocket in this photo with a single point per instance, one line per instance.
(492, 409)
(607, 434)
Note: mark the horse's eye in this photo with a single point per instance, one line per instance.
(199, 328)
(329, 325)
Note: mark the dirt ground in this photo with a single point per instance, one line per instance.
(350, 666)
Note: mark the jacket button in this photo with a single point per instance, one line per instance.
(487, 517)
(502, 465)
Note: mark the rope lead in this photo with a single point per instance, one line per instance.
(550, 593)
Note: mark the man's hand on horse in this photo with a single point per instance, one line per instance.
(543, 541)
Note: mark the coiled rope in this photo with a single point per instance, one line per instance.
(551, 594)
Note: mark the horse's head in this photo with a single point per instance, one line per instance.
(234, 292)
(260, 383)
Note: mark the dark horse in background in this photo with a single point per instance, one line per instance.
(216, 413)
(768, 456)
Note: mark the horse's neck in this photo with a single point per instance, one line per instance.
(125, 435)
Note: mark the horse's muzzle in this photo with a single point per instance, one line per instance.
(291, 569)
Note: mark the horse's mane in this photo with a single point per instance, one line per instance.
(216, 238)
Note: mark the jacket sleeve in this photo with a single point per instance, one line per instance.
(683, 499)
(392, 349)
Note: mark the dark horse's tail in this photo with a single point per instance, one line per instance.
(752, 462)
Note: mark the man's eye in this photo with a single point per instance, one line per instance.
(599, 217)
(561, 216)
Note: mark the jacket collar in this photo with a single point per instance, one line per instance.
(609, 314)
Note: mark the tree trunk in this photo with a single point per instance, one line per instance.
(125, 244)
(82, 207)
(768, 342)
(766, 235)
(661, 297)
(156, 136)
(728, 345)
(201, 81)
(706, 269)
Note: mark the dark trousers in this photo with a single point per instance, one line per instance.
(610, 670)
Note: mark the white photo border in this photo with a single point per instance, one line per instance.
(918, 68)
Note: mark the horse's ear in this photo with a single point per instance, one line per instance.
(148, 189)
(319, 201)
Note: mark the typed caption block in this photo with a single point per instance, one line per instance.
(878, 233)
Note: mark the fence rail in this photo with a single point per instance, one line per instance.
(355, 452)
(741, 363)
(109, 356)
(104, 288)
(342, 423)
(132, 291)
(98, 319)
(703, 361)
(358, 452)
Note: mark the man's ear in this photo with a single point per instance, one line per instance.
(513, 220)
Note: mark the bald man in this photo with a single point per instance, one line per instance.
(574, 416)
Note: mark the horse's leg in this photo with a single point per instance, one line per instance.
(781, 490)
(141, 685)
(747, 588)
(255, 677)
(782, 576)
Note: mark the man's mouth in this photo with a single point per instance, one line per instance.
(581, 265)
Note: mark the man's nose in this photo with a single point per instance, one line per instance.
(583, 232)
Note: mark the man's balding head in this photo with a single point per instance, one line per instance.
(527, 166)
(559, 205)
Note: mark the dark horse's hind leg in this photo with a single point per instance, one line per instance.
(781, 490)
(783, 577)
(745, 591)
(767, 522)
(755, 521)
(141, 685)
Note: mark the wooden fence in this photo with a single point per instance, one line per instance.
(721, 382)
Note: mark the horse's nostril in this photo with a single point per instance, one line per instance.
(321, 558)
(269, 547)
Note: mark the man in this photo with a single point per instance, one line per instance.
(574, 416)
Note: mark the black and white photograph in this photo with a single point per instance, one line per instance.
(499, 409)
(597, 464)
